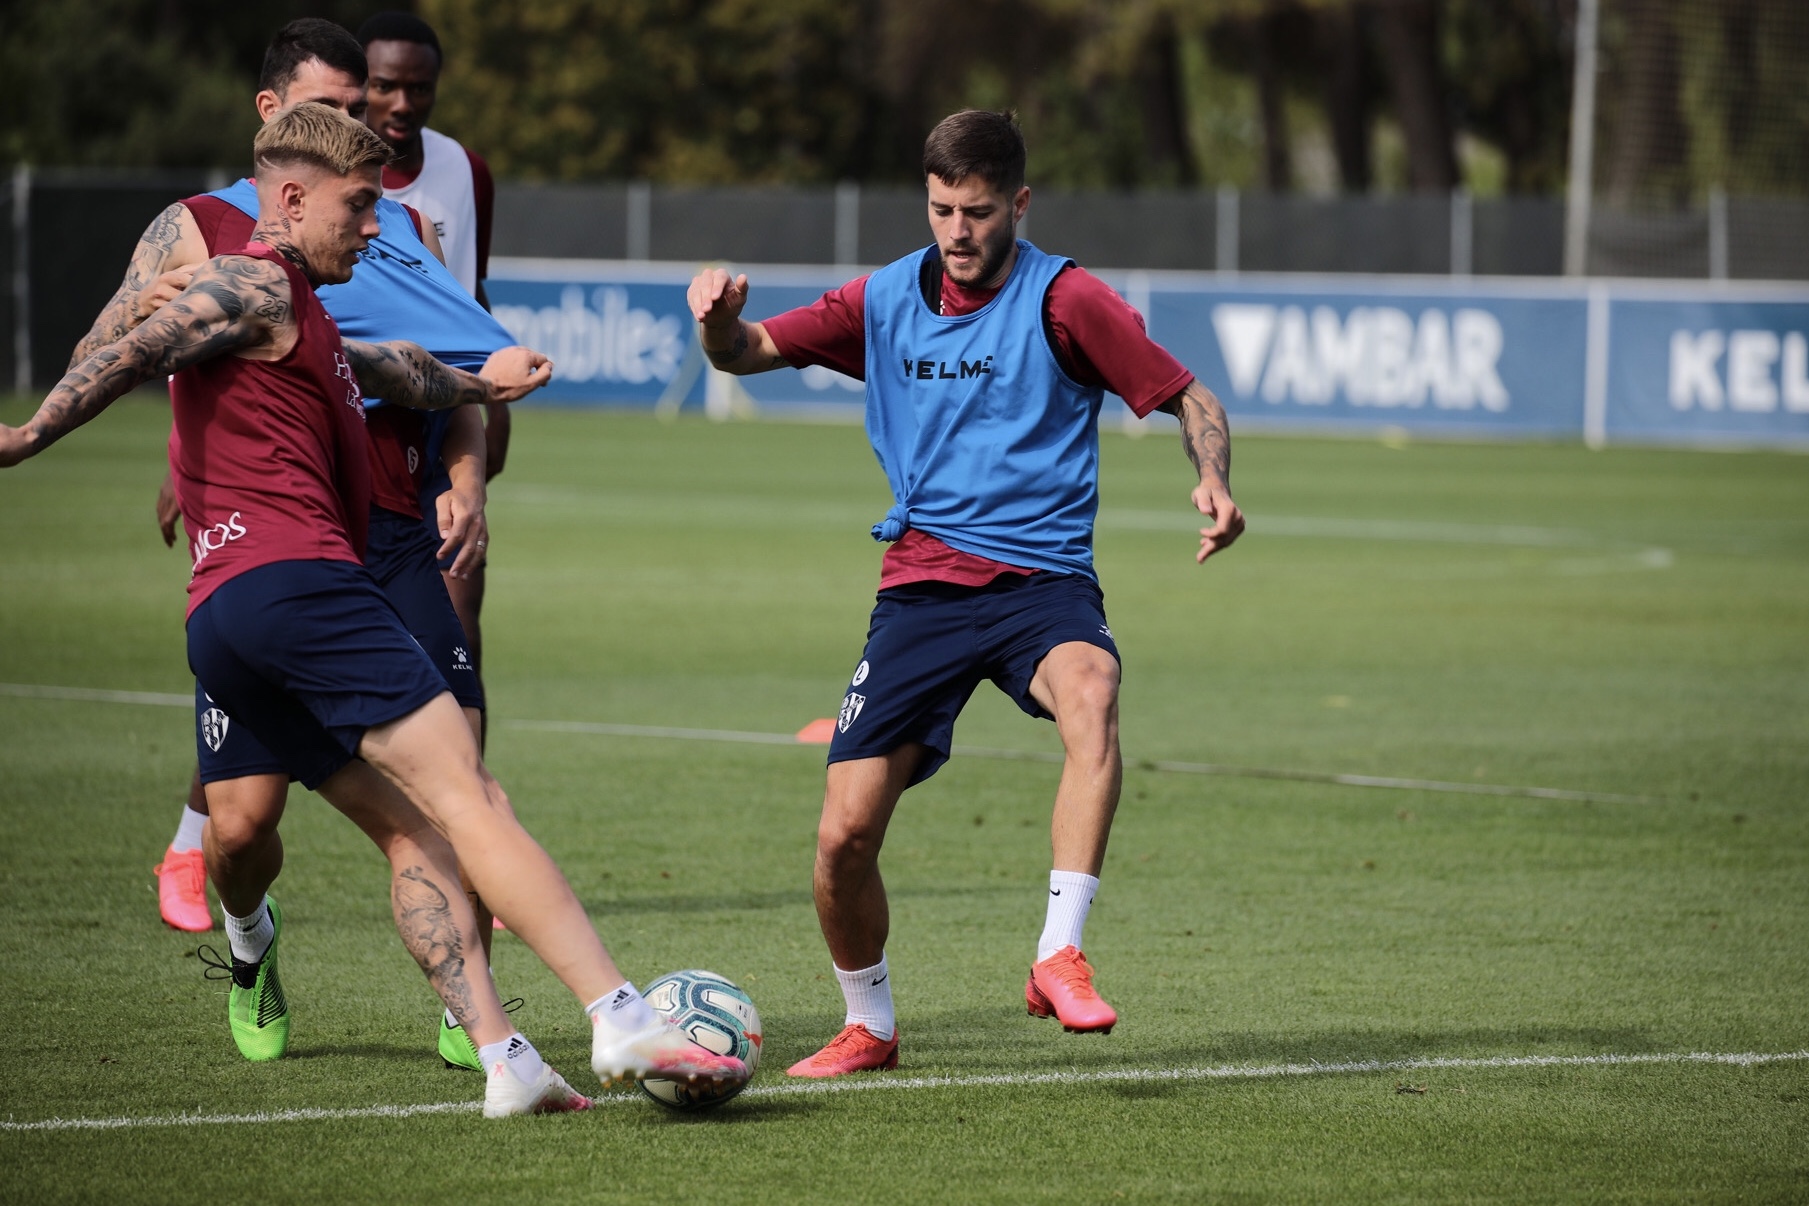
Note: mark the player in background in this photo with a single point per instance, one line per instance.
(451, 186)
(290, 635)
(986, 360)
(399, 290)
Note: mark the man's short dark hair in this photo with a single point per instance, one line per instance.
(400, 27)
(977, 142)
(309, 38)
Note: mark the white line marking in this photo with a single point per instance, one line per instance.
(87, 695)
(93, 695)
(1744, 1059)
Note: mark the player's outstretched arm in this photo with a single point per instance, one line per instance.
(405, 374)
(732, 345)
(1206, 436)
(234, 303)
(168, 252)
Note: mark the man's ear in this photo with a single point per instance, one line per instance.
(1020, 204)
(292, 196)
(268, 104)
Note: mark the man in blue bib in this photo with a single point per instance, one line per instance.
(986, 361)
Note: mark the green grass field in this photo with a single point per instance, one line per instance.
(1630, 623)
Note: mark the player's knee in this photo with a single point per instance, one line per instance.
(243, 825)
(1089, 698)
(847, 842)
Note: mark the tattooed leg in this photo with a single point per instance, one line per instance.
(432, 913)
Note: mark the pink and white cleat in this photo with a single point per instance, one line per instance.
(855, 1049)
(507, 1095)
(182, 891)
(660, 1050)
(1061, 987)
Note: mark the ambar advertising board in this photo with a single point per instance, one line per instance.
(1680, 362)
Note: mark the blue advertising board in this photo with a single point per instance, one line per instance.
(1683, 362)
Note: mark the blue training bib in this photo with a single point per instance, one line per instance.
(988, 444)
(400, 291)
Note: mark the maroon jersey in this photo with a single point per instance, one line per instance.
(397, 434)
(269, 457)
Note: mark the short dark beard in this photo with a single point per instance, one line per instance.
(991, 260)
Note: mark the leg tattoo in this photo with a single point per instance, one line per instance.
(424, 919)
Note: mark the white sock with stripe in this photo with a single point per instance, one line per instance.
(1070, 896)
(868, 993)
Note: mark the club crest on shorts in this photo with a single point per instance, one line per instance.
(214, 724)
(860, 673)
(851, 710)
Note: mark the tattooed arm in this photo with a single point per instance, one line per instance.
(234, 304)
(167, 255)
(732, 345)
(404, 374)
(1206, 436)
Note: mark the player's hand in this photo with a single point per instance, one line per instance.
(515, 372)
(15, 445)
(164, 290)
(1213, 500)
(167, 510)
(715, 299)
(462, 528)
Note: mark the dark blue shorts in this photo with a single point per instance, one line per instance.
(400, 558)
(302, 656)
(929, 644)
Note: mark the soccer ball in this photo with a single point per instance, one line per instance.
(716, 1015)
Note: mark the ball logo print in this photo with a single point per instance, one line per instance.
(214, 724)
(851, 710)
(718, 1016)
(860, 674)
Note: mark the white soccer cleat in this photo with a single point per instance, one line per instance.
(506, 1094)
(661, 1050)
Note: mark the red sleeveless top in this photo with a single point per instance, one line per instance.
(397, 434)
(269, 457)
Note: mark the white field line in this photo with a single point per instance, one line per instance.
(87, 695)
(90, 695)
(1743, 1059)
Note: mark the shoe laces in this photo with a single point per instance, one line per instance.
(217, 968)
(853, 1035)
(1075, 973)
(190, 866)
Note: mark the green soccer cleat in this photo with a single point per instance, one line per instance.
(456, 1047)
(255, 1005)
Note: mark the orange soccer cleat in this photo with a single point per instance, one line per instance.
(855, 1049)
(1061, 987)
(182, 891)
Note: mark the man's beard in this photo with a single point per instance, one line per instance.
(992, 258)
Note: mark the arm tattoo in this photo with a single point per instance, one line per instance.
(424, 919)
(226, 308)
(1205, 432)
(403, 373)
(729, 359)
(120, 314)
(727, 356)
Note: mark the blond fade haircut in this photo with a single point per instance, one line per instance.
(320, 136)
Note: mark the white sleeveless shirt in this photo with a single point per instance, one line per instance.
(446, 195)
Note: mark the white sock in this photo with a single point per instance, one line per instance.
(250, 936)
(623, 1010)
(869, 996)
(517, 1054)
(1070, 896)
(188, 834)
